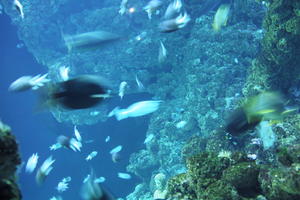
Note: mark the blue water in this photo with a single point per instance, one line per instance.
(36, 131)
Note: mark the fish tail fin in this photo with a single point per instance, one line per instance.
(119, 114)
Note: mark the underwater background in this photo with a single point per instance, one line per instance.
(231, 55)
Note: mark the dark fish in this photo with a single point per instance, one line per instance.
(81, 92)
(238, 123)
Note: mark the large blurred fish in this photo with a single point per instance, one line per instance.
(89, 40)
(80, 92)
(91, 190)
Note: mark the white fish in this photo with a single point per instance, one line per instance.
(56, 198)
(123, 6)
(55, 146)
(181, 124)
(173, 9)
(77, 134)
(107, 139)
(75, 145)
(101, 179)
(91, 155)
(116, 149)
(139, 83)
(94, 113)
(148, 138)
(32, 162)
(63, 185)
(137, 109)
(122, 88)
(20, 45)
(19, 8)
(86, 178)
(252, 156)
(152, 7)
(28, 82)
(172, 25)
(124, 175)
(162, 54)
(44, 170)
(64, 73)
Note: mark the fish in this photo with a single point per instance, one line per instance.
(63, 185)
(181, 124)
(162, 53)
(136, 110)
(56, 198)
(64, 73)
(32, 162)
(89, 40)
(44, 170)
(69, 143)
(171, 25)
(101, 179)
(123, 6)
(152, 7)
(107, 139)
(77, 134)
(81, 92)
(28, 83)
(221, 17)
(86, 178)
(19, 7)
(116, 149)
(124, 175)
(116, 157)
(139, 84)
(148, 138)
(92, 190)
(173, 9)
(262, 107)
(91, 155)
(122, 88)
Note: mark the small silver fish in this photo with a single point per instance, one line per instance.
(173, 9)
(19, 8)
(139, 84)
(152, 7)
(172, 25)
(28, 82)
(32, 162)
(122, 88)
(162, 54)
(136, 110)
(91, 155)
(124, 175)
(44, 170)
(116, 149)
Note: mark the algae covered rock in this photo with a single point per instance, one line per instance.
(213, 176)
(9, 160)
(278, 184)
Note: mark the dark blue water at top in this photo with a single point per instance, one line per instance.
(35, 132)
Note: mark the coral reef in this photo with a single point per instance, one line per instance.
(212, 177)
(9, 160)
(276, 66)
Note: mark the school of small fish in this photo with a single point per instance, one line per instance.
(62, 93)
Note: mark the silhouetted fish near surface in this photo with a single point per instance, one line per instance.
(84, 91)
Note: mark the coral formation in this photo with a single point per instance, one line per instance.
(276, 66)
(236, 177)
(9, 160)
